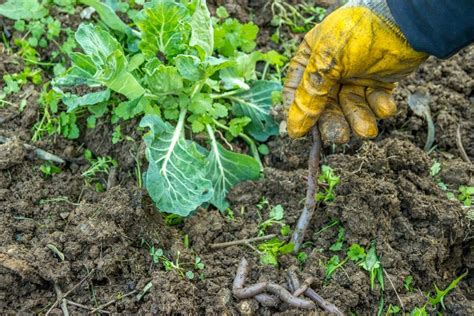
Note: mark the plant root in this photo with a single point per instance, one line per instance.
(294, 285)
(257, 290)
(111, 302)
(241, 241)
(310, 204)
(59, 299)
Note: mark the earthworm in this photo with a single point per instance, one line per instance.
(304, 287)
(311, 294)
(310, 204)
(257, 290)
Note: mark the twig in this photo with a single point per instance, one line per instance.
(111, 302)
(462, 152)
(390, 280)
(69, 292)
(310, 204)
(241, 241)
(60, 296)
(254, 290)
(311, 294)
(85, 307)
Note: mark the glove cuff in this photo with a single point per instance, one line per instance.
(381, 9)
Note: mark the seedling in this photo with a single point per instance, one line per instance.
(327, 181)
(275, 217)
(435, 169)
(49, 169)
(332, 265)
(272, 249)
(341, 235)
(440, 294)
(408, 283)
(466, 194)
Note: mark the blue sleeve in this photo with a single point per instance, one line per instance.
(436, 27)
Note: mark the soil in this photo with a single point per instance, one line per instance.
(386, 196)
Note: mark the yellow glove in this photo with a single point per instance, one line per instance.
(344, 73)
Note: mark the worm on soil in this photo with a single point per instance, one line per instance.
(310, 204)
(306, 284)
(287, 297)
(311, 294)
(257, 290)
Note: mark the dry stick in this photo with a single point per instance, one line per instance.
(310, 204)
(241, 241)
(60, 296)
(69, 292)
(390, 280)
(463, 153)
(241, 293)
(111, 302)
(85, 307)
(311, 294)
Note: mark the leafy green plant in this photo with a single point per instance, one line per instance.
(332, 265)
(440, 294)
(177, 73)
(466, 194)
(393, 310)
(341, 236)
(327, 181)
(408, 283)
(48, 169)
(272, 249)
(274, 217)
(98, 166)
(435, 169)
(158, 256)
(368, 261)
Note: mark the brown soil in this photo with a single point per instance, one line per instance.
(386, 195)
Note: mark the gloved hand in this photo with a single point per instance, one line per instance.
(344, 72)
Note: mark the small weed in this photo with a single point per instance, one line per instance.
(98, 165)
(275, 217)
(272, 249)
(173, 219)
(392, 310)
(408, 283)
(327, 181)
(341, 236)
(48, 169)
(435, 169)
(440, 294)
(302, 257)
(332, 265)
(466, 194)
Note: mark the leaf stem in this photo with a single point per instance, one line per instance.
(248, 140)
(225, 94)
